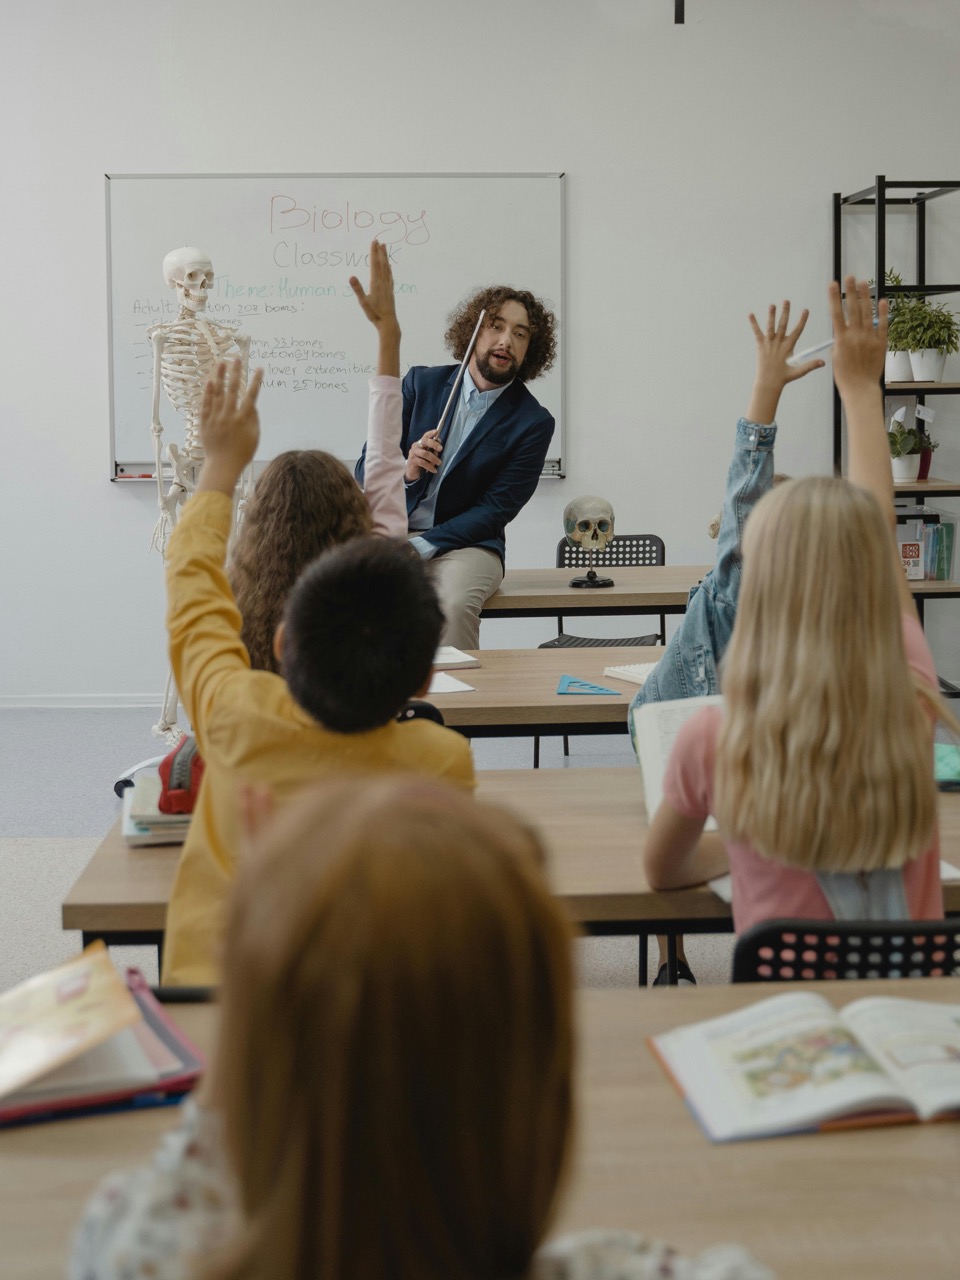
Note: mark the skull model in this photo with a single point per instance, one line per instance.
(588, 523)
(190, 272)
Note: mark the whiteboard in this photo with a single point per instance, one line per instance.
(283, 247)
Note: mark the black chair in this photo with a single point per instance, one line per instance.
(623, 549)
(419, 709)
(808, 950)
(626, 549)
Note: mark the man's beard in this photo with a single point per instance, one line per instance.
(492, 373)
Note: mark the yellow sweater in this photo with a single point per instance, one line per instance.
(248, 728)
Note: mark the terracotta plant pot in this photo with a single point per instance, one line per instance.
(906, 468)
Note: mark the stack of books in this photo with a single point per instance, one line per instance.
(143, 823)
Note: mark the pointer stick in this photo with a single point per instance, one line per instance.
(459, 378)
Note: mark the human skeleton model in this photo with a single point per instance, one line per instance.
(185, 354)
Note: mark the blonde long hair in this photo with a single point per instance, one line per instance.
(824, 760)
(397, 1045)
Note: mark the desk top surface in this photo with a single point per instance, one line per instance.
(878, 1203)
(519, 687)
(593, 822)
(533, 591)
(549, 590)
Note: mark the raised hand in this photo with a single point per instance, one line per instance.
(858, 353)
(379, 306)
(859, 346)
(229, 426)
(775, 345)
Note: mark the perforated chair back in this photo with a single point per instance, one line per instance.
(419, 709)
(808, 950)
(623, 549)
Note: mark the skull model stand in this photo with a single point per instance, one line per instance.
(185, 354)
(588, 524)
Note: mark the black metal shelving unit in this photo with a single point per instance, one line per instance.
(883, 194)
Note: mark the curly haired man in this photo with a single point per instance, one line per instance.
(465, 485)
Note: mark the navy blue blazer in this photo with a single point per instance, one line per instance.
(495, 472)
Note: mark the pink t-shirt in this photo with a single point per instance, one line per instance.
(762, 888)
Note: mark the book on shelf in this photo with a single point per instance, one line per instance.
(634, 672)
(794, 1064)
(449, 658)
(655, 729)
(142, 822)
(81, 1038)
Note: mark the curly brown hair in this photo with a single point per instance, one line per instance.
(542, 350)
(305, 501)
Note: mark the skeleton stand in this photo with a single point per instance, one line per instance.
(591, 578)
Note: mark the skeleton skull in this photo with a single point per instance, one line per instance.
(588, 523)
(190, 272)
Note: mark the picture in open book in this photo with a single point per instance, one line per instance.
(793, 1063)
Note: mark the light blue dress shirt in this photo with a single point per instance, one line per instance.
(472, 404)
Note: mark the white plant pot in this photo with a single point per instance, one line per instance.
(906, 468)
(897, 367)
(928, 365)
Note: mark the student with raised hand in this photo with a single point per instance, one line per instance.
(819, 767)
(690, 664)
(360, 629)
(392, 1093)
(306, 500)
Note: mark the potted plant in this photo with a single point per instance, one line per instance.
(897, 367)
(904, 451)
(927, 446)
(930, 332)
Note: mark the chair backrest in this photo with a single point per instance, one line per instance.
(807, 950)
(623, 548)
(419, 709)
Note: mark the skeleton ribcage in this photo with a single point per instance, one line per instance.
(190, 354)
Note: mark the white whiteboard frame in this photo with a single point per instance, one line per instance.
(129, 470)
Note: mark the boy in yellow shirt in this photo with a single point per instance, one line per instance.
(360, 630)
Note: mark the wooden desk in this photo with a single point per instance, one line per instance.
(516, 692)
(530, 593)
(593, 822)
(878, 1203)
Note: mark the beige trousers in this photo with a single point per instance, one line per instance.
(463, 580)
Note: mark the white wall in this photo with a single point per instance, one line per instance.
(700, 159)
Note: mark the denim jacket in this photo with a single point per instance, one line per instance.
(688, 668)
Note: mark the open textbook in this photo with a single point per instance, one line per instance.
(81, 1038)
(793, 1063)
(655, 729)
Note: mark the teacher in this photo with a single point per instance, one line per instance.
(465, 486)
